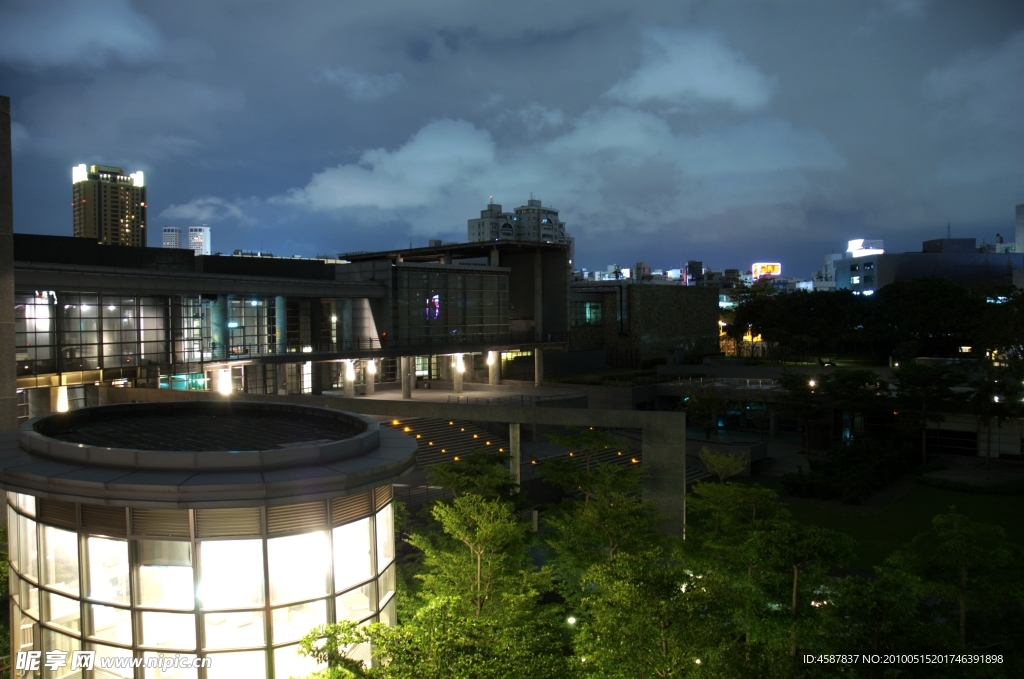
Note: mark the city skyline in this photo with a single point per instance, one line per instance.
(727, 132)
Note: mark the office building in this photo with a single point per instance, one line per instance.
(199, 239)
(142, 529)
(109, 206)
(172, 237)
(531, 222)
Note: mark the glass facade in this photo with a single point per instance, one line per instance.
(243, 600)
(444, 307)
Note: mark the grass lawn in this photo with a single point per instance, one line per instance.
(880, 533)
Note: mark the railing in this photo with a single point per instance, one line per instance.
(521, 400)
(730, 382)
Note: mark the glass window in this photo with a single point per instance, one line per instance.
(299, 567)
(231, 574)
(356, 604)
(168, 630)
(110, 624)
(294, 622)
(174, 672)
(27, 503)
(29, 598)
(385, 537)
(353, 554)
(12, 538)
(288, 663)
(165, 575)
(388, 615)
(55, 641)
(28, 557)
(108, 569)
(386, 584)
(248, 664)
(63, 612)
(234, 630)
(103, 651)
(60, 559)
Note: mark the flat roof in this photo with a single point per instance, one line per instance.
(455, 250)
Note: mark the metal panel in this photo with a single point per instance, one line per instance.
(294, 518)
(104, 520)
(165, 522)
(350, 508)
(213, 523)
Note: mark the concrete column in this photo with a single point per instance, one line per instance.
(514, 452)
(219, 327)
(58, 399)
(538, 296)
(316, 378)
(664, 460)
(772, 424)
(349, 377)
(370, 374)
(493, 368)
(39, 402)
(281, 324)
(8, 379)
(457, 372)
(493, 259)
(538, 366)
(346, 324)
(404, 368)
(282, 379)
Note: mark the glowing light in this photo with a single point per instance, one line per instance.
(253, 303)
(634, 460)
(62, 399)
(371, 369)
(459, 365)
(433, 307)
(864, 248)
(138, 178)
(307, 350)
(334, 319)
(813, 384)
(476, 436)
(110, 308)
(350, 371)
(233, 324)
(490, 358)
(79, 174)
(571, 620)
(759, 269)
(407, 429)
(456, 457)
(394, 422)
(224, 385)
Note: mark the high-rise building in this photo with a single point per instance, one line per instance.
(109, 206)
(172, 237)
(199, 239)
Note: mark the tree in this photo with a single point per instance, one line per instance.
(480, 472)
(483, 562)
(585, 441)
(702, 408)
(723, 464)
(734, 509)
(997, 395)
(967, 563)
(922, 387)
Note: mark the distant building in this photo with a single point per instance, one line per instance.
(172, 237)
(199, 239)
(108, 206)
(531, 222)
(957, 259)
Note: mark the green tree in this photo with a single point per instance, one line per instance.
(585, 441)
(723, 464)
(480, 559)
(921, 388)
(968, 564)
(479, 472)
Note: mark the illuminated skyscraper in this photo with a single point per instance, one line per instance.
(172, 237)
(109, 206)
(199, 239)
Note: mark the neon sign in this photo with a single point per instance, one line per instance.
(433, 308)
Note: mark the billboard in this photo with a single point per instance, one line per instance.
(765, 269)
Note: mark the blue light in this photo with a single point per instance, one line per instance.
(232, 324)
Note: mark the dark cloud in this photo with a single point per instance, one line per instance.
(663, 131)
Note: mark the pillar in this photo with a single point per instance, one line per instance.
(349, 377)
(8, 379)
(316, 378)
(538, 297)
(515, 458)
(772, 424)
(59, 399)
(538, 366)
(404, 368)
(370, 376)
(457, 371)
(346, 324)
(39, 401)
(493, 368)
(493, 258)
(281, 324)
(664, 459)
(282, 379)
(219, 327)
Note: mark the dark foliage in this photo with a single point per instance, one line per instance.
(853, 472)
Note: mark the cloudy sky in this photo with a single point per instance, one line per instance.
(725, 131)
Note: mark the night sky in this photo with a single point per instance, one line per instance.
(730, 132)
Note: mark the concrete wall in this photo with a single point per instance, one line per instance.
(8, 381)
(663, 317)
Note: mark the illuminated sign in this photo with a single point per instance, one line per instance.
(863, 248)
(433, 308)
(765, 269)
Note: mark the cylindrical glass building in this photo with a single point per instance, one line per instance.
(205, 529)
